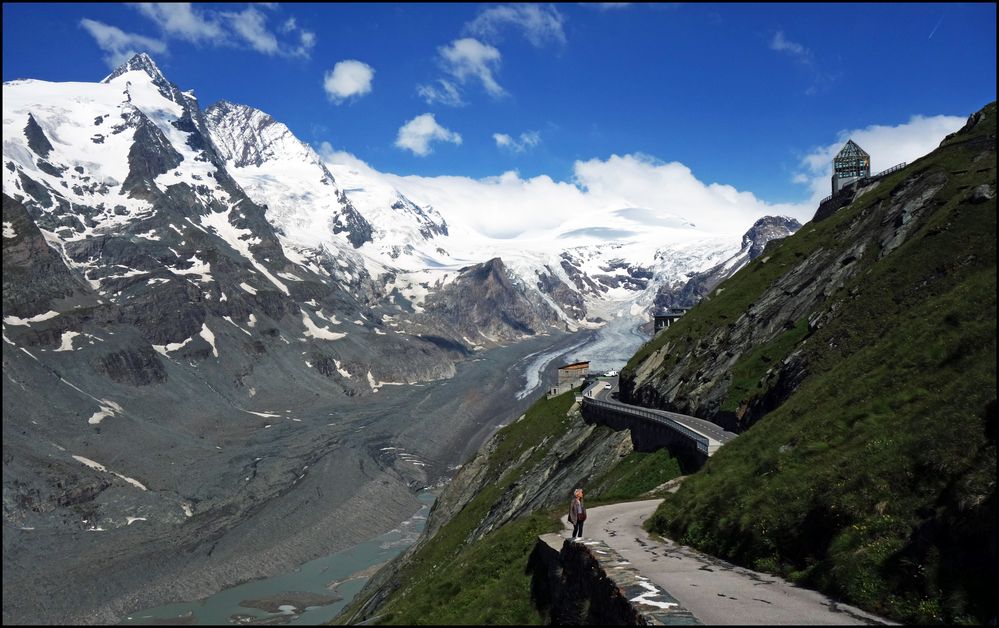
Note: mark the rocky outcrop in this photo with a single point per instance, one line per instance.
(150, 156)
(429, 225)
(136, 367)
(35, 277)
(484, 302)
(36, 138)
(571, 301)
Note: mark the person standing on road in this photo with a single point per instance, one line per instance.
(577, 514)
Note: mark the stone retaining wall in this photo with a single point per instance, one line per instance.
(588, 583)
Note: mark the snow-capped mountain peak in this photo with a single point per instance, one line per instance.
(314, 206)
(280, 171)
(249, 137)
(142, 62)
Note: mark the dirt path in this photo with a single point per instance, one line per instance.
(716, 592)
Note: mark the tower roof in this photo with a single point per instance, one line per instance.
(851, 149)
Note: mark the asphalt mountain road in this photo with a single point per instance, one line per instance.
(715, 591)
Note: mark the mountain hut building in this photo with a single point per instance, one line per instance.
(573, 372)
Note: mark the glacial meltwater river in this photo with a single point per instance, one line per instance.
(313, 594)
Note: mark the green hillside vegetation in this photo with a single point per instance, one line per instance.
(452, 581)
(634, 476)
(875, 481)
(454, 578)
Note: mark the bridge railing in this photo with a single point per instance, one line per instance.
(702, 442)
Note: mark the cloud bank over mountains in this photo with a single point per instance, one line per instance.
(624, 194)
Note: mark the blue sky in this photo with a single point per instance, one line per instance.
(743, 95)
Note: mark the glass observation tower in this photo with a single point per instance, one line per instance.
(850, 165)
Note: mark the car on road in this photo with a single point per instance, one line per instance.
(610, 374)
(607, 386)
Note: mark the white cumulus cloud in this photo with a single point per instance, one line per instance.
(469, 58)
(601, 192)
(418, 134)
(347, 79)
(118, 45)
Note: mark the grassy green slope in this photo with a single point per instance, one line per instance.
(451, 581)
(457, 578)
(634, 476)
(875, 480)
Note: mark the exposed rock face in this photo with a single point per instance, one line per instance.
(568, 299)
(35, 277)
(150, 156)
(429, 226)
(582, 282)
(764, 231)
(633, 278)
(136, 367)
(483, 302)
(36, 138)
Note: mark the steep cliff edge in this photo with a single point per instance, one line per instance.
(861, 352)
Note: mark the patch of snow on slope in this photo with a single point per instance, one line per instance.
(209, 337)
(99, 467)
(164, 350)
(66, 342)
(15, 320)
(320, 333)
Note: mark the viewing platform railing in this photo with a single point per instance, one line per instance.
(894, 168)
